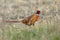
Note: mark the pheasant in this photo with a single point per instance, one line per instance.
(28, 20)
(31, 19)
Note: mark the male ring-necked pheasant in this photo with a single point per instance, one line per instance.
(31, 19)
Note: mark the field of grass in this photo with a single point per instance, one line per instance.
(40, 32)
(47, 28)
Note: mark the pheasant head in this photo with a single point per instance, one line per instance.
(38, 12)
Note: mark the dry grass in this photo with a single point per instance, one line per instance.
(47, 28)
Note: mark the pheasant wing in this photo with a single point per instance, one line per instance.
(26, 20)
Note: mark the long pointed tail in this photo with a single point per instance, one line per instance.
(12, 21)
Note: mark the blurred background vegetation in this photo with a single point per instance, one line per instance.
(47, 28)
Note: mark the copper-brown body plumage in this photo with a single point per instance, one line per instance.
(31, 19)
